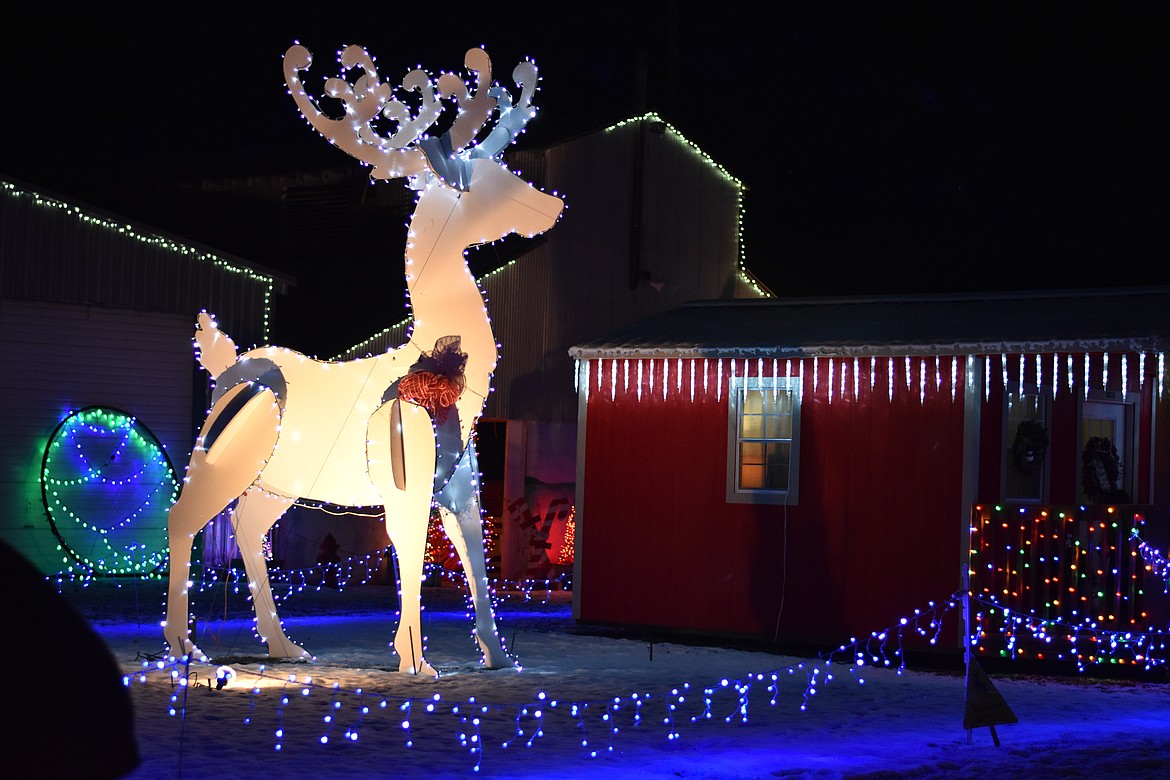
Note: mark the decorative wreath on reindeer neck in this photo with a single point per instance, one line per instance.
(1029, 447)
(436, 380)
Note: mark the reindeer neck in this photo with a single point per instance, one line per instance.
(445, 299)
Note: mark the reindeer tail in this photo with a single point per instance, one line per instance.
(214, 350)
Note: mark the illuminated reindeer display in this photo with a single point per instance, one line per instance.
(393, 430)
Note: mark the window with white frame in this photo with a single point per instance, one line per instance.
(763, 435)
(1108, 447)
(1026, 425)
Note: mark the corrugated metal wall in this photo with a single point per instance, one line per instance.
(52, 250)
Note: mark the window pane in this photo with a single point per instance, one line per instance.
(751, 426)
(751, 452)
(778, 456)
(778, 427)
(751, 477)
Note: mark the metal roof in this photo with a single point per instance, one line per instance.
(1133, 319)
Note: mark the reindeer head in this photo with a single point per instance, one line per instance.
(380, 130)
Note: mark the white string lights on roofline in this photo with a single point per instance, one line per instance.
(692, 378)
(123, 230)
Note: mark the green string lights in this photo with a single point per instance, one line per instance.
(107, 484)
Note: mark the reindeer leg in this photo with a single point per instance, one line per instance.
(465, 530)
(256, 513)
(188, 516)
(214, 479)
(408, 511)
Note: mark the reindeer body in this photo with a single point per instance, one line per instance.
(285, 427)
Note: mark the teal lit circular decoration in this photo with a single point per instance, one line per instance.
(107, 485)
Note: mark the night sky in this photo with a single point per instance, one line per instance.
(910, 150)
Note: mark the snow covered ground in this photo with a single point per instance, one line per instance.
(584, 704)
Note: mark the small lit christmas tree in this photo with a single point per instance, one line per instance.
(567, 545)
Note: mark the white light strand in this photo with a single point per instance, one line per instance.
(831, 369)
(890, 376)
(678, 379)
(626, 375)
(1105, 371)
(705, 377)
(1071, 379)
(1124, 376)
(937, 375)
(954, 374)
(585, 378)
(692, 379)
(651, 361)
(856, 379)
(922, 382)
(872, 372)
(639, 380)
(719, 380)
(1055, 374)
(612, 379)
(1142, 371)
(987, 377)
(816, 374)
(909, 372)
(775, 378)
(1086, 376)
(1161, 373)
(665, 376)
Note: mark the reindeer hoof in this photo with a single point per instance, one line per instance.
(287, 650)
(494, 655)
(425, 670)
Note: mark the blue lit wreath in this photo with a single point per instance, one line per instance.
(107, 485)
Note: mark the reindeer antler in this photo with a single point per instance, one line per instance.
(364, 100)
(408, 150)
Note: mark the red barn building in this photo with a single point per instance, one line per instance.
(808, 470)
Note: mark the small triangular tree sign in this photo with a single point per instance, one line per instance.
(983, 705)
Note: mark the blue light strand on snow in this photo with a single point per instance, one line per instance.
(728, 700)
(530, 721)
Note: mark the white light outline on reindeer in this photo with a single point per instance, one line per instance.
(284, 426)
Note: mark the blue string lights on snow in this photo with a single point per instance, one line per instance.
(597, 726)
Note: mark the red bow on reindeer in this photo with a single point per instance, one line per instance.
(436, 380)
